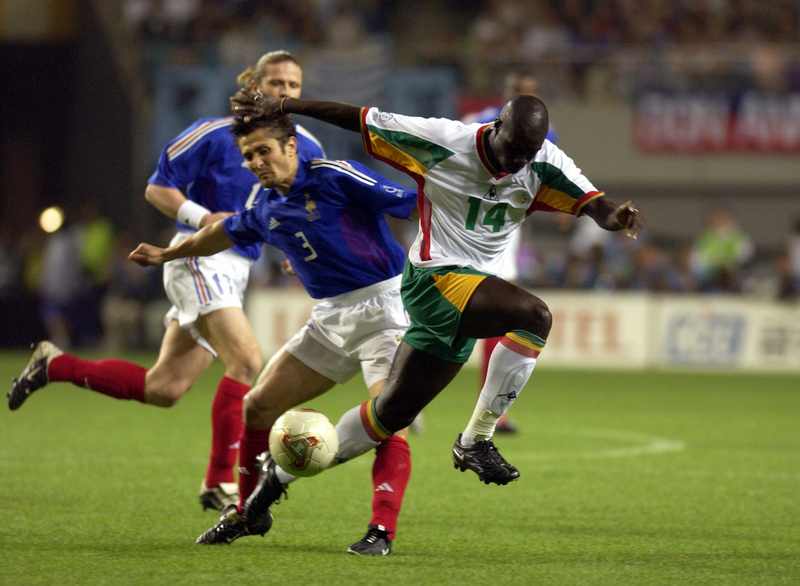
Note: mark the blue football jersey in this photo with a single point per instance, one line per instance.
(490, 113)
(330, 226)
(205, 163)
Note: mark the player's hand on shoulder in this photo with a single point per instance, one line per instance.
(627, 217)
(249, 104)
(147, 255)
(209, 219)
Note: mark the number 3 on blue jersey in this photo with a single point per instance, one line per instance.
(307, 244)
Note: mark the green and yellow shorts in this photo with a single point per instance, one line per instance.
(435, 298)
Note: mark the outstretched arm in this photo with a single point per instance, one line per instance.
(170, 202)
(207, 242)
(613, 217)
(253, 104)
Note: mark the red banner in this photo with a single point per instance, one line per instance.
(668, 123)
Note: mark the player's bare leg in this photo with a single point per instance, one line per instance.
(417, 376)
(499, 305)
(228, 332)
(180, 363)
(284, 383)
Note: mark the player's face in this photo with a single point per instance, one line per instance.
(274, 166)
(513, 149)
(282, 80)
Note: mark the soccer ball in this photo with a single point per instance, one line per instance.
(303, 442)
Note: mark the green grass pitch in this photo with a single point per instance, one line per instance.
(626, 478)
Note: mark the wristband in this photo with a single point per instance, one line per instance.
(282, 101)
(191, 213)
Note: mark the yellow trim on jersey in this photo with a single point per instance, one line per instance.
(457, 288)
(388, 151)
(523, 342)
(555, 199)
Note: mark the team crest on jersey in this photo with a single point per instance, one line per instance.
(521, 198)
(311, 208)
(491, 195)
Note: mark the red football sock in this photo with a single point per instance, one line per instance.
(252, 443)
(226, 427)
(488, 348)
(115, 378)
(390, 474)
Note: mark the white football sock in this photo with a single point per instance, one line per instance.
(510, 367)
(353, 437)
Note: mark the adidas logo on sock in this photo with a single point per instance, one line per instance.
(385, 486)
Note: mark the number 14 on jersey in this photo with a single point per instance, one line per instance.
(495, 216)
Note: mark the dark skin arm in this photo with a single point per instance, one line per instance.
(254, 104)
(249, 103)
(613, 217)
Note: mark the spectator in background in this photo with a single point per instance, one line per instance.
(97, 247)
(62, 283)
(794, 254)
(130, 288)
(720, 252)
(654, 272)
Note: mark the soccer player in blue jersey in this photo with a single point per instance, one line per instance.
(201, 178)
(327, 217)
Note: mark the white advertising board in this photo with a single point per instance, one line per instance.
(727, 332)
(614, 330)
(596, 330)
(589, 330)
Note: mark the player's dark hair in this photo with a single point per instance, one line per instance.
(278, 126)
(257, 72)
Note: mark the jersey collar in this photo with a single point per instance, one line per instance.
(481, 137)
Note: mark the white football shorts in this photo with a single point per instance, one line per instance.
(359, 330)
(202, 284)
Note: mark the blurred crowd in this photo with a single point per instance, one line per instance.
(721, 259)
(81, 289)
(586, 48)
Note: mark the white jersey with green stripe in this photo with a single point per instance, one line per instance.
(468, 210)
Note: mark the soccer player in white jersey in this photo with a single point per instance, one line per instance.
(201, 178)
(517, 83)
(476, 185)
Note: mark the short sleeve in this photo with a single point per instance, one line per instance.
(184, 158)
(563, 187)
(362, 184)
(411, 144)
(247, 227)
